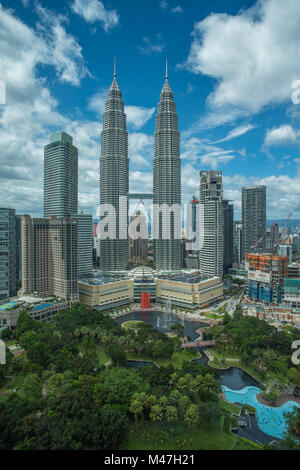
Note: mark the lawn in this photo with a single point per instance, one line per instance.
(153, 437)
(13, 384)
(213, 316)
(177, 358)
(226, 406)
(131, 324)
(102, 357)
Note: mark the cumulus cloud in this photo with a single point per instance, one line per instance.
(30, 115)
(283, 135)
(140, 149)
(59, 48)
(93, 11)
(137, 116)
(96, 103)
(254, 55)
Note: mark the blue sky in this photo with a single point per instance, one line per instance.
(231, 67)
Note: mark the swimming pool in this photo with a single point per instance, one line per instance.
(270, 420)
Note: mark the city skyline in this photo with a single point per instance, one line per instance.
(250, 135)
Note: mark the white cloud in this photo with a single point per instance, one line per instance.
(283, 135)
(137, 116)
(140, 149)
(163, 4)
(93, 11)
(254, 56)
(236, 132)
(177, 9)
(60, 49)
(199, 150)
(152, 46)
(31, 116)
(97, 102)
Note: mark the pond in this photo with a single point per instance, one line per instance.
(233, 377)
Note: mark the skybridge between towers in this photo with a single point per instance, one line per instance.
(141, 197)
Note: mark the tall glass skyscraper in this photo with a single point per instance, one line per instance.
(114, 179)
(60, 176)
(254, 217)
(167, 182)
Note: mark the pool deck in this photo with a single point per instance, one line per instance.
(279, 402)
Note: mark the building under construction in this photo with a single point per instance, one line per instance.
(265, 277)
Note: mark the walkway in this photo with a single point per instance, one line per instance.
(197, 344)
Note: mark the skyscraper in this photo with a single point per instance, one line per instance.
(7, 252)
(167, 183)
(253, 217)
(114, 179)
(60, 176)
(212, 251)
(228, 234)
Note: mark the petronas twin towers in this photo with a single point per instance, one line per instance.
(114, 180)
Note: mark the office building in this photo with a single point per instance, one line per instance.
(60, 176)
(253, 218)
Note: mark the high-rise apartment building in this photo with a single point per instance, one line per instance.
(7, 252)
(49, 256)
(212, 227)
(253, 218)
(60, 176)
(167, 184)
(114, 180)
(228, 234)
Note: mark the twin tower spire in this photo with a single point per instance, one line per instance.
(114, 179)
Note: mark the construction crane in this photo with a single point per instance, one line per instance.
(255, 245)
